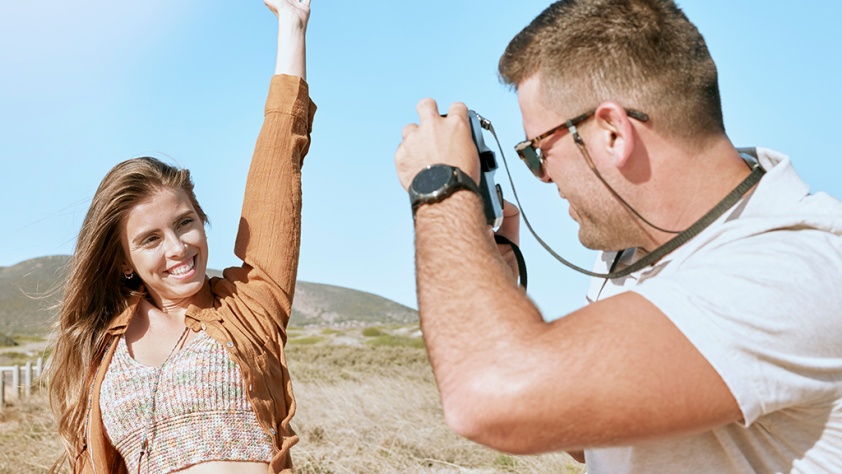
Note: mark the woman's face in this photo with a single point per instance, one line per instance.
(164, 241)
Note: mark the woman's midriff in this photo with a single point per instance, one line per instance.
(227, 467)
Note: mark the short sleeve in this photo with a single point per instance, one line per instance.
(764, 311)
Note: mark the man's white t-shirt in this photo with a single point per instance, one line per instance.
(759, 294)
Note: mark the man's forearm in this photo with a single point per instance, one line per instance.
(473, 316)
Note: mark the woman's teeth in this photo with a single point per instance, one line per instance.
(182, 269)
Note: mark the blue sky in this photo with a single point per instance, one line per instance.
(85, 85)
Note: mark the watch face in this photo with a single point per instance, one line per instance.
(432, 179)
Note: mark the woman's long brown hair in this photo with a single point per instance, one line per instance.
(96, 291)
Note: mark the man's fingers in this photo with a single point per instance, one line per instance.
(427, 108)
(510, 228)
(408, 129)
(509, 209)
(458, 109)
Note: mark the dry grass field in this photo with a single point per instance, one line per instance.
(367, 404)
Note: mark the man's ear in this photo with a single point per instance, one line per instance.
(616, 130)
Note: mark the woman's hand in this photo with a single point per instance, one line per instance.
(293, 16)
(294, 11)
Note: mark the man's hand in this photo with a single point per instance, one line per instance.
(437, 139)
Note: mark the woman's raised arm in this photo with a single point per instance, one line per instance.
(269, 235)
(293, 16)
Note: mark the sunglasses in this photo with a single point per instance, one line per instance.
(530, 151)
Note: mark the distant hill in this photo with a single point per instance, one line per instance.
(316, 304)
(25, 301)
(25, 298)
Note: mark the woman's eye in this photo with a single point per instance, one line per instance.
(149, 240)
(186, 222)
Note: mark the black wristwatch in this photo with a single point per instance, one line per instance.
(436, 182)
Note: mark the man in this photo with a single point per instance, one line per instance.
(721, 356)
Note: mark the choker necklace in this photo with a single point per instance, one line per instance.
(144, 443)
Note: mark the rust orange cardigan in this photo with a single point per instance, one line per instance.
(247, 310)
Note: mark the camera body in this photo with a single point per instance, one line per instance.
(492, 194)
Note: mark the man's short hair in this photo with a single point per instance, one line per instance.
(644, 54)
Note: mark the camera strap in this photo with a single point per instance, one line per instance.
(521, 263)
(726, 203)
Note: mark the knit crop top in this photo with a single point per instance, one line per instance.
(201, 411)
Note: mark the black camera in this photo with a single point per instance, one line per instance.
(492, 195)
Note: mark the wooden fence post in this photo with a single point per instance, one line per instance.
(2, 389)
(39, 366)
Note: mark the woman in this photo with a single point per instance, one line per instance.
(157, 368)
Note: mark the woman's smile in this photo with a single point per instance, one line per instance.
(183, 269)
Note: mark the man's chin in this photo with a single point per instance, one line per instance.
(587, 240)
(589, 245)
(592, 241)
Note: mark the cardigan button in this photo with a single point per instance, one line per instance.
(229, 344)
(272, 430)
(204, 327)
